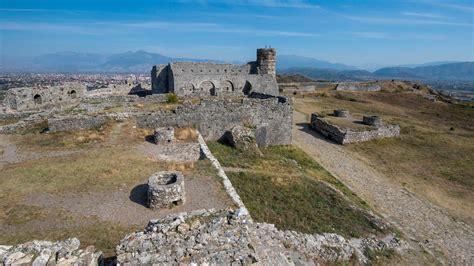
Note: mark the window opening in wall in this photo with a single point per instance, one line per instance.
(37, 99)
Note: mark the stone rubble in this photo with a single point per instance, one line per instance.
(242, 138)
(225, 237)
(39, 253)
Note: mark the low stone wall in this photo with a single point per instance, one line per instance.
(271, 117)
(161, 98)
(226, 238)
(291, 87)
(358, 86)
(77, 122)
(346, 136)
(50, 253)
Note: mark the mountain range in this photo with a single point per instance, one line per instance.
(450, 71)
(141, 62)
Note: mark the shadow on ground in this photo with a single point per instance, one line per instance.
(305, 127)
(139, 194)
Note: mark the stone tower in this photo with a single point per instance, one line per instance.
(266, 61)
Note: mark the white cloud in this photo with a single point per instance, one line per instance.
(405, 21)
(264, 3)
(423, 15)
(94, 28)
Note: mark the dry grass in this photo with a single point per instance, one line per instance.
(433, 155)
(350, 123)
(105, 163)
(287, 188)
(186, 134)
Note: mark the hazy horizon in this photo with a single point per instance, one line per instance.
(365, 34)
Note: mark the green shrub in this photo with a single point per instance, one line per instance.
(171, 98)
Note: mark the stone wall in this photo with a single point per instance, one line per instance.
(358, 86)
(291, 87)
(76, 122)
(271, 117)
(202, 79)
(43, 97)
(346, 135)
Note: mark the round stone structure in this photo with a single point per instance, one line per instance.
(372, 120)
(341, 113)
(165, 189)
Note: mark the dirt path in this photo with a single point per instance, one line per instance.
(418, 219)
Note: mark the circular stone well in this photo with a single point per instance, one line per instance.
(372, 120)
(341, 113)
(165, 189)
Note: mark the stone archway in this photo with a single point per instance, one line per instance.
(247, 88)
(208, 86)
(227, 86)
(37, 99)
(73, 94)
(189, 87)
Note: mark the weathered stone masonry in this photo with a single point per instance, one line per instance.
(271, 118)
(345, 135)
(203, 79)
(42, 97)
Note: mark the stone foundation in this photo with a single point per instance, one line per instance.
(347, 135)
(165, 189)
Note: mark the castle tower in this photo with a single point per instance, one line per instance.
(266, 61)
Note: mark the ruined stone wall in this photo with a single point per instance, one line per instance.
(203, 79)
(43, 97)
(291, 87)
(272, 118)
(358, 86)
(76, 122)
(346, 136)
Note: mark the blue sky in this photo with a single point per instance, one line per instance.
(366, 32)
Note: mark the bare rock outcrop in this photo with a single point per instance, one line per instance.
(38, 253)
(243, 138)
(225, 237)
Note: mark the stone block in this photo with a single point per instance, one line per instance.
(164, 135)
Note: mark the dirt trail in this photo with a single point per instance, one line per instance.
(418, 219)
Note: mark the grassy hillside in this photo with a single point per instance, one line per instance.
(433, 155)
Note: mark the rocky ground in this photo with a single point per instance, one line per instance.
(228, 237)
(449, 240)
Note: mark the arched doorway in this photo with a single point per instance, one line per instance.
(209, 86)
(227, 86)
(73, 94)
(247, 88)
(37, 99)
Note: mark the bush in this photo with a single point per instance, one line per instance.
(171, 98)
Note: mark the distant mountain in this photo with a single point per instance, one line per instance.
(138, 61)
(291, 61)
(453, 71)
(437, 63)
(68, 61)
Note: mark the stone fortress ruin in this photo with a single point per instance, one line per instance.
(201, 79)
(219, 101)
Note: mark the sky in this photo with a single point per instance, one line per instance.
(361, 33)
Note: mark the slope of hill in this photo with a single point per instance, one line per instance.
(453, 71)
(291, 61)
